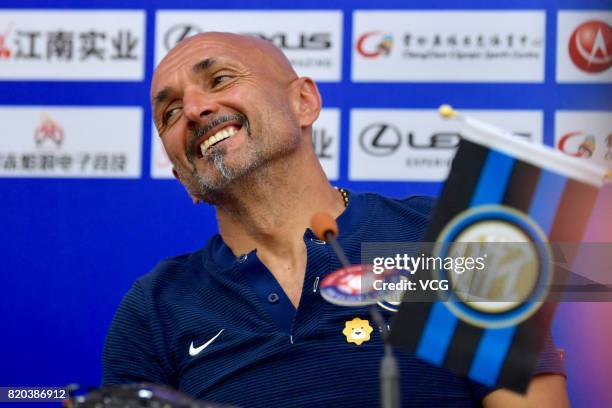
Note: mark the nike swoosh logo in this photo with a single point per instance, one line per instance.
(194, 351)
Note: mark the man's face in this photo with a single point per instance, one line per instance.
(222, 106)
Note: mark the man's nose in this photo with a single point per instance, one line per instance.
(198, 106)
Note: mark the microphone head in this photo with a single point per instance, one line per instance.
(322, 223)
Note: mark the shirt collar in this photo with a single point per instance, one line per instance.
(221, 256)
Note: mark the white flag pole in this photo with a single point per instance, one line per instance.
(547, 157)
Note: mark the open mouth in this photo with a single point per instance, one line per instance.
(214, 137)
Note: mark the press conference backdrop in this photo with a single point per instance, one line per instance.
(88, 202)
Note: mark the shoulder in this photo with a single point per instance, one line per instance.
(416, 204)
(414, 211)
(135, 349)
(399, 219)
(420, 204)
(172, 274)
(158, 287)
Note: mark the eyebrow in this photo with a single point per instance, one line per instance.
(203, 65)
(161, 96)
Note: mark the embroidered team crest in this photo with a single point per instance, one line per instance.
(349, 287)
(358, 285)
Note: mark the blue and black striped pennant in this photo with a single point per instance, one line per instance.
(482, 178)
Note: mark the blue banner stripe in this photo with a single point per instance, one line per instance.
(493, 179)
(546, 199)
(494, 343)
(437, 334)
(491, 354)
(440, 327)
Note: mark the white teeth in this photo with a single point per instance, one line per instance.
(217, 137)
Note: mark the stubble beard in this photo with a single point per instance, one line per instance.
(214, 190)
(248, 171)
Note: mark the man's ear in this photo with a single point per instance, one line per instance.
(195, 200)
(308, 101)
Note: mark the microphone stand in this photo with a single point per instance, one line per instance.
(389, 369)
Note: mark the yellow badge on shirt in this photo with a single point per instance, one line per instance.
(357, 331)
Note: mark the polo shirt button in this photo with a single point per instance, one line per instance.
(242, 258)
(318, 241)
(273, 298)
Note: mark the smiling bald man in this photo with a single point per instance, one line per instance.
(241, 321)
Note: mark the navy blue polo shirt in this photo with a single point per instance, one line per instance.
(220, 328)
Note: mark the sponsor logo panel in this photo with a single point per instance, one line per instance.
(487, 46)
(325, 140)
(585, 134)
(419, 145)
(58, 142)
(72, 45)
(311, 40)
(584, 46)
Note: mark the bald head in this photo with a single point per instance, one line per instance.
(251, 47)
(255, 52)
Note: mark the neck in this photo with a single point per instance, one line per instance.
(271, 210)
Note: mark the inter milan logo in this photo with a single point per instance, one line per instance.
(517, 273)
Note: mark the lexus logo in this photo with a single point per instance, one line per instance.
(301, 41)
(178, 33)
(380, 139)
(590, 46)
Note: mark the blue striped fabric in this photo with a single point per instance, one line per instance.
(441, 324)
(437, 334)
(495, 343)
(269, 354)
